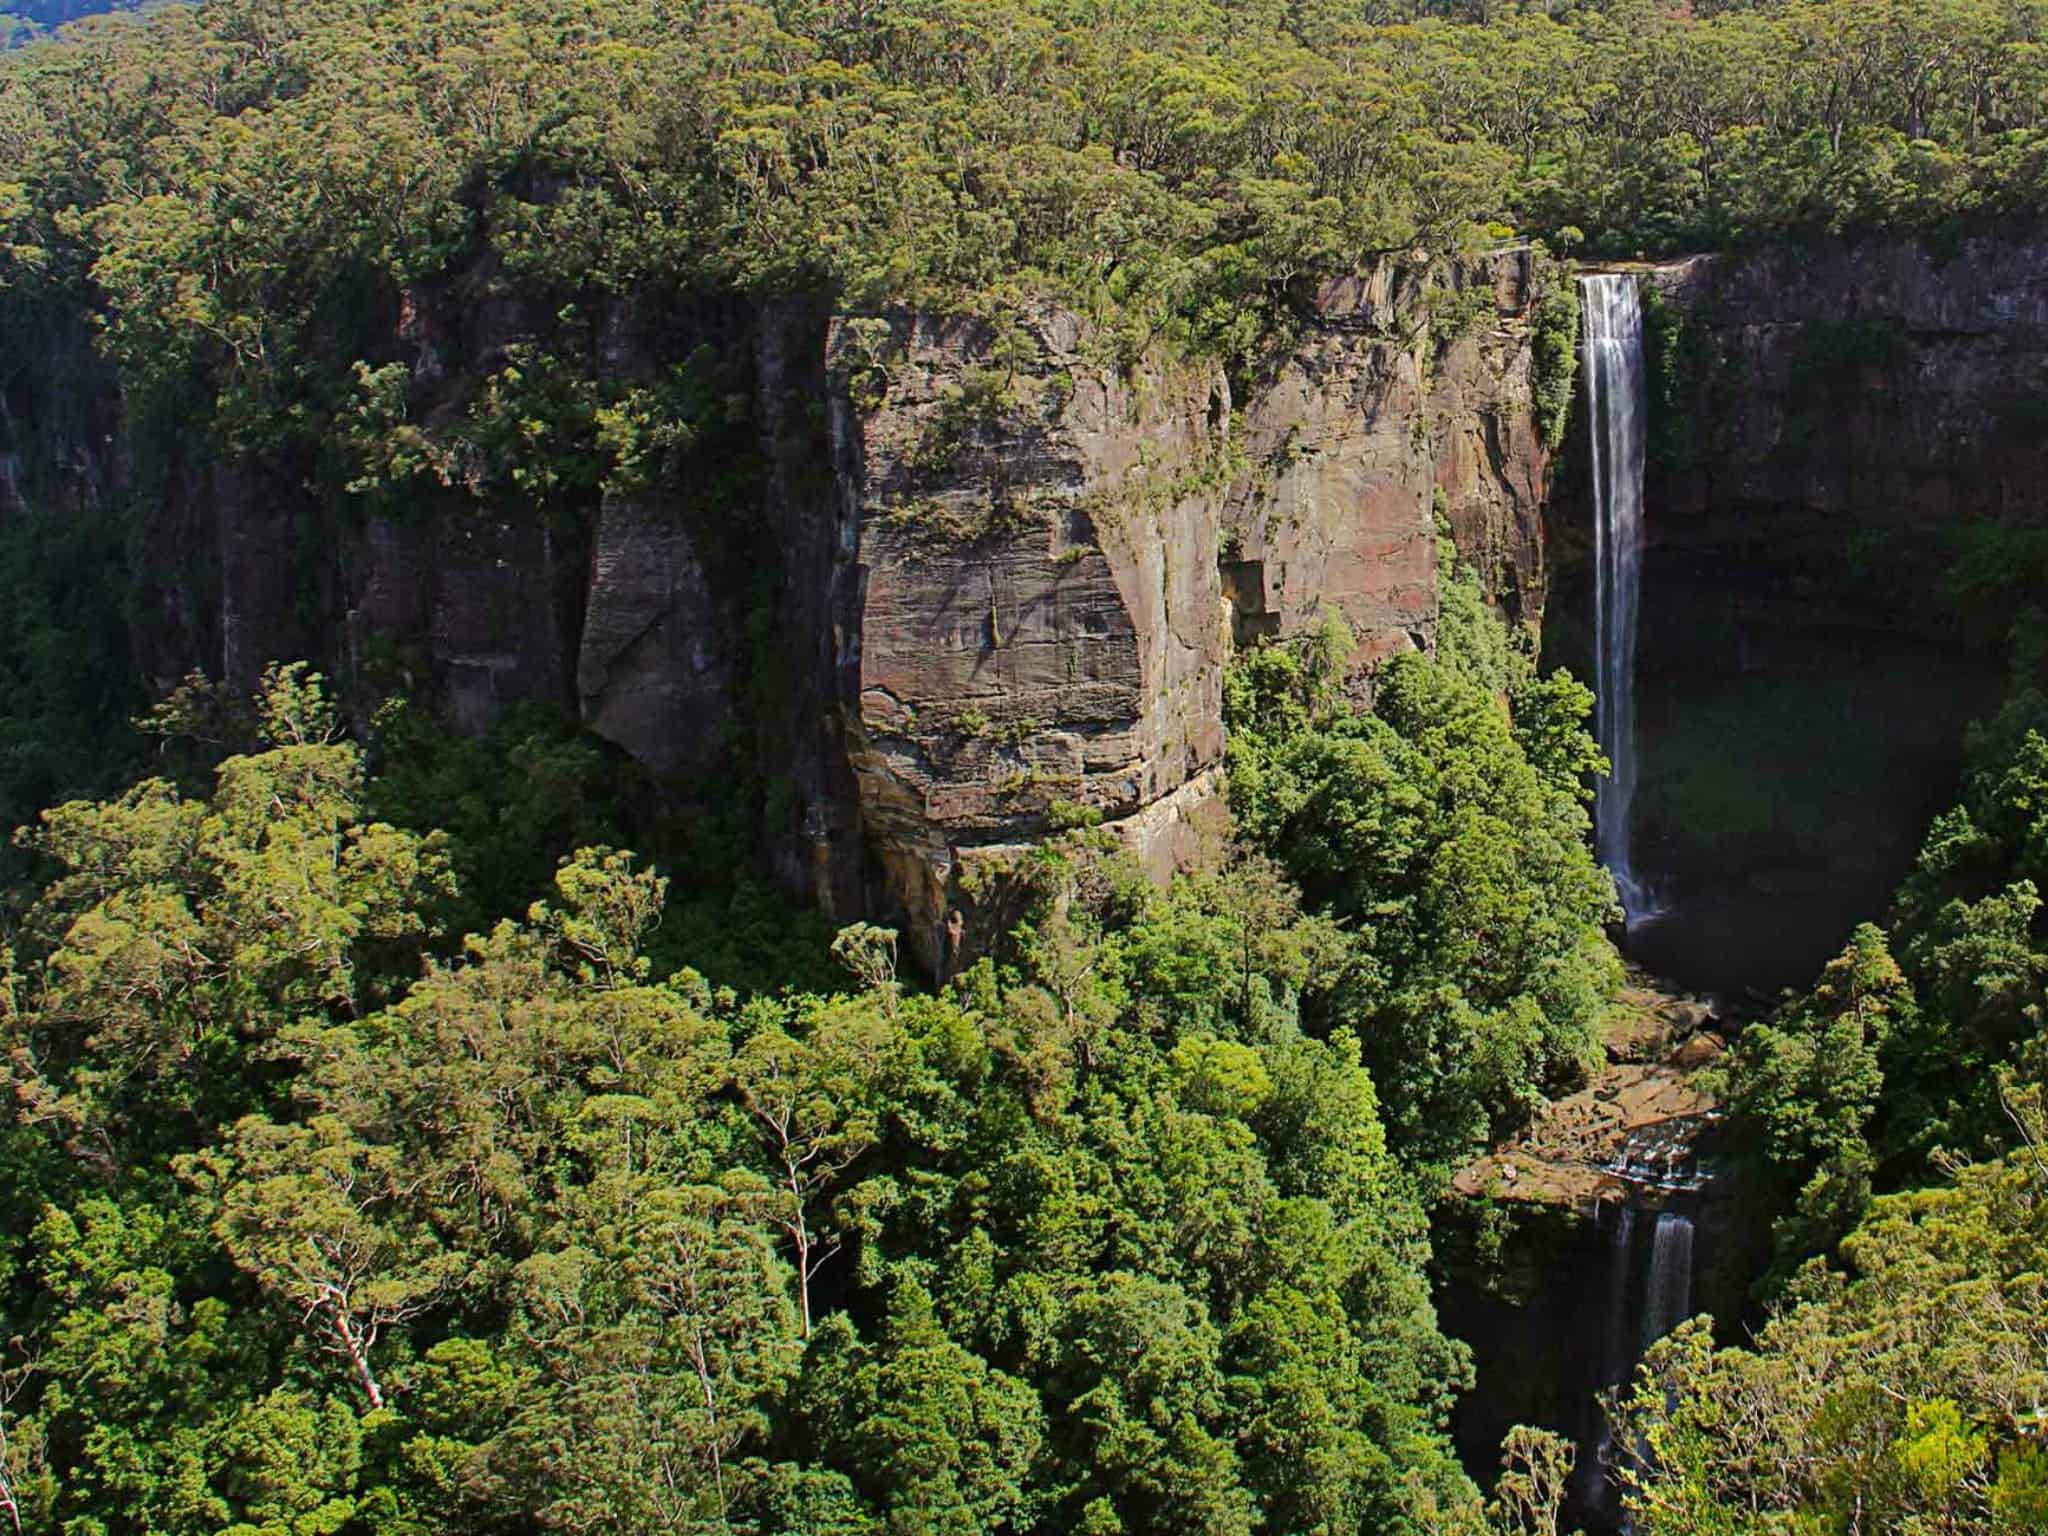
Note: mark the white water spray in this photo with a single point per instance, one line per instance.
(1615, 395)
(1667, 1300)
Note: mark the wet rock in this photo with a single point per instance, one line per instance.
(1638, 1125)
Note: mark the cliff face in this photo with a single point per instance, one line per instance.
(1883, 385)
(1039, 618)
(1055, 555)
(1368, 429)
(991, 581)
(1831, 428)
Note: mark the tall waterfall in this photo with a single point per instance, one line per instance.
(1667, 1300)
(1615, 394)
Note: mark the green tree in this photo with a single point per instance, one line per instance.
(1479, 972)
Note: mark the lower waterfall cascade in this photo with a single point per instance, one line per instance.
(1667, 1296)
(1647, 1292)
(1618, 1355)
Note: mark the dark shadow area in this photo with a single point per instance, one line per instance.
(1559, 1315)
(1793, 745)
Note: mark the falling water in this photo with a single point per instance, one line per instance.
(1667, 1300)
(1617, 1356)
(1666, 1296)
(1614, 393)
(1619, 1252)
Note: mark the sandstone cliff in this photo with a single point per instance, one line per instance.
(1368, 428)
(1056, 553)
(1039, 620)
(940, 583)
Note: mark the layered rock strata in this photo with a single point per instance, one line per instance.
(1040, 624)
(1636, 1132)
(1370, 429)
(991, 578)
(1057, 551)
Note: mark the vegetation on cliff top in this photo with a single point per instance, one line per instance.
(240, 186)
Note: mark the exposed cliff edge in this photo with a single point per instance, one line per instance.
(994, 580)
(938, 579)
(1039, 621)
(1879, 385)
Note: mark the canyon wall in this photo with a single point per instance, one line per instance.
(1888, 389)
(1370, 428)
(1054, 553)
(1039, 624)
(938, 584)
(942, 584)
(1836, 429)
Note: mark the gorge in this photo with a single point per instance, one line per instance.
(1120, 767)
(1815, 590)
(985, 588)
(994, 576)
(1817, 457)
(1086, 551)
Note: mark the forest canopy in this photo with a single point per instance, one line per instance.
(323, 1219)
(389, 1152)
(215, 174)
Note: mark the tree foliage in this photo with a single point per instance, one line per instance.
(1897, 1115)
(1446, 832)
(1902, 1395)
(316, 1226)
(238, 188)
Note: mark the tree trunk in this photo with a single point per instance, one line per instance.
(357, 1350)
(800, 1234)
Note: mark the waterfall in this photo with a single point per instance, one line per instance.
(1617, 1358)
(1667, 1302)
(1615, 394)
(1667, 1299)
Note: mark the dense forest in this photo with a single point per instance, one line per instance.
(342, 1222)
(388, 1150)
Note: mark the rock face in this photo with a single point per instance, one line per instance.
(1879, 383)
(1056, 554)
(652, 672)
(1492, 465)
(1368, 430)
(980, 578)
(1830, 427)
(1635, 1132)
(461, 605)
(1040, 620)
